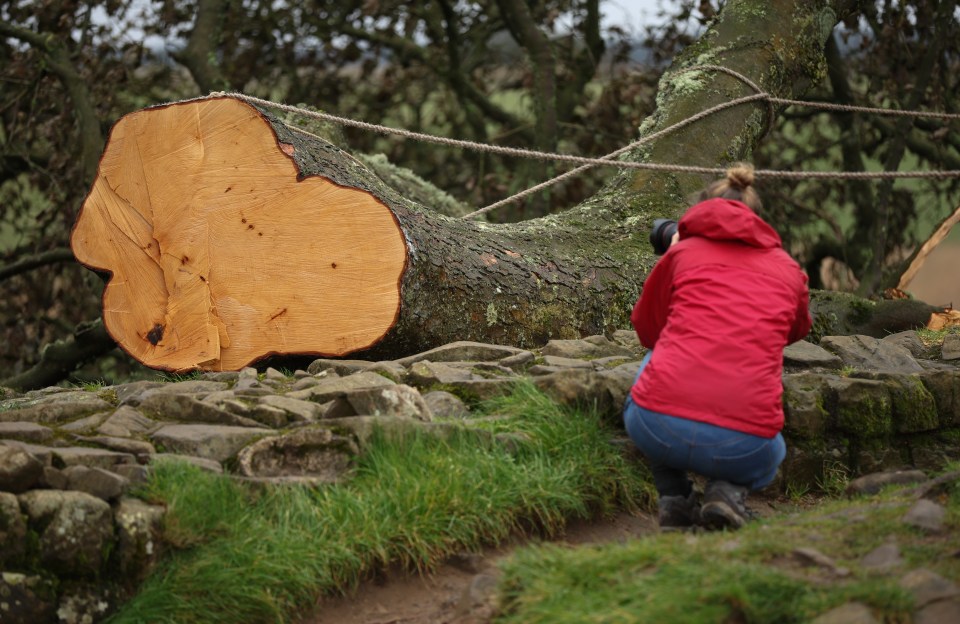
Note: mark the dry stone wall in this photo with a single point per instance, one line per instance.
(75, 542)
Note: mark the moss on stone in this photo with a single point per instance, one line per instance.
(863, 409)
(914, 408)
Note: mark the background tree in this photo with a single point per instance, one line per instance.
(544, 76)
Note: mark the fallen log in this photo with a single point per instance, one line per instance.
(231, 237)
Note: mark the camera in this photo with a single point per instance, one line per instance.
(661, 235)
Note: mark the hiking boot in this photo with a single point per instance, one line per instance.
(678, 512)
(724, 506)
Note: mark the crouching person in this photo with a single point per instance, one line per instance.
(716, 311)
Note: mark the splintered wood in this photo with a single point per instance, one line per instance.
(220, 256)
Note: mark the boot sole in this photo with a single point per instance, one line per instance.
(719, 515)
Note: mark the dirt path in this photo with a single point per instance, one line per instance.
(449, 593)
(455, 592)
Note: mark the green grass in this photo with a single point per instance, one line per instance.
(751, 576)
(247, 555)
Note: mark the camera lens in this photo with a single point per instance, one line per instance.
(661, 235)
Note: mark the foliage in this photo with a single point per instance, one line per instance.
(259, 555)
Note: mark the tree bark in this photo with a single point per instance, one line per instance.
(419, 279)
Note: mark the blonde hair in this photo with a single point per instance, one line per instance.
(737, 185)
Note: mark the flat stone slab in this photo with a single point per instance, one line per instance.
(127, 422)
(53, 409)
(185, 408)
(866, 353)
(25, 432)
(463, 351)
(217, 442)
(90, 457)
(805, 354)
(589, 347)
(329, 389)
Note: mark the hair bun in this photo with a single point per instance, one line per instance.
(740, 176)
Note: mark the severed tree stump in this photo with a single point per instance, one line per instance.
(221, 253)
(231, 237)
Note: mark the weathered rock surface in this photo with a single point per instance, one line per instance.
(68, 457)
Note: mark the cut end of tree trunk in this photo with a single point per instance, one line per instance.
(220, 255)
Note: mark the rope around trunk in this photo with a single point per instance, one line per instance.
(610, 159)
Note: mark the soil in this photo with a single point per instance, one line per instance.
(455, 591)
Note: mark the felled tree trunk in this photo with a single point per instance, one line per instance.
(231, 237)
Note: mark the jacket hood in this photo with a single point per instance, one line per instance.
(728, 220)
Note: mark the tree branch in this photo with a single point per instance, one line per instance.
(62, 254)
(198, 56)
(59, 359)
(58, 61)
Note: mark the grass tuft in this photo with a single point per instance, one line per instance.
(260, 555)
(752, 576)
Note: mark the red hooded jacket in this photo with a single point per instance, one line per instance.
(719, 307)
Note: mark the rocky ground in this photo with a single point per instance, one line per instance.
(69, 455)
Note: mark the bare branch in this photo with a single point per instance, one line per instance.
(61, 254)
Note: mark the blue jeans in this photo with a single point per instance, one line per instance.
(676, 445)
